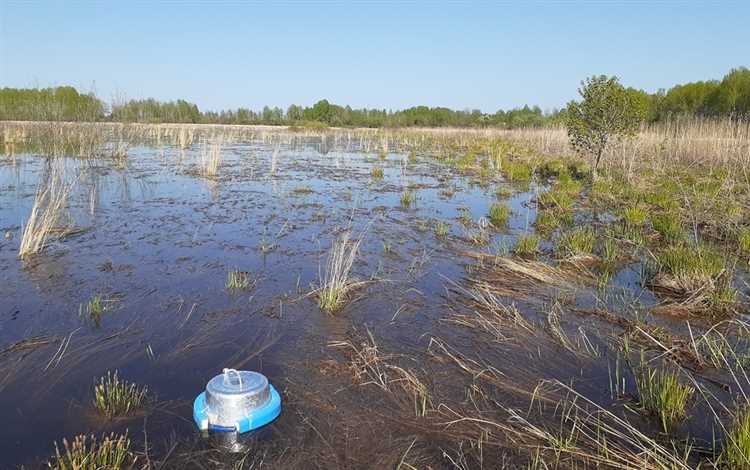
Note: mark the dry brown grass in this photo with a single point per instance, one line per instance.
(47, 213)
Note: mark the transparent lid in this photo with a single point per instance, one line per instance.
(238, 382)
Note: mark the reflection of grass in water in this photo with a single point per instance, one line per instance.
(114, 397)
(86, 453)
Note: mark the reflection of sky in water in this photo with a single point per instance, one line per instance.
(162, 239)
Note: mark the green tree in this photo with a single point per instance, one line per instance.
(606, 111)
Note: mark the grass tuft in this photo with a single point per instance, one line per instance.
(46, 214)
(691, 266)
(336, 283)
(114, 397)
(238, 280)
(736, 450)
(743, 240)
(499, 215)
(377, 173)
(527, 246)
(408, 198)
(442, 230)
(669, 227)
(578, 242)
(662, 395)
(86, 453)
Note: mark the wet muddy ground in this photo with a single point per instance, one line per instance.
(156, 242)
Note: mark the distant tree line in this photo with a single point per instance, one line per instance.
(729, 96)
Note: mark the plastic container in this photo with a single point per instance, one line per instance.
(236, 401)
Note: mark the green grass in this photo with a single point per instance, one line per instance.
(662, 395)
(86, 453)
(94, 309)
(547, 220)
(518, 171)
(735, 453)
(408, 198)
(578, 242)
(442, 230)
(464, 215)
(691, 266)
(238, 280)
(743, 240)
(552, 168)
(499, 215)
(114, 397)
(503, 192)
(568, 185)
(527, 246)
(669, 227)
(635, 216)
(555, 200)
(376, 173)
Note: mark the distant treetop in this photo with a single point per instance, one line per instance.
(727, 97)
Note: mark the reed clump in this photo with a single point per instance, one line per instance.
(238, 280)
(210, 159)
(337, 283)
(87, 453)
(47, 212)
(114, 397)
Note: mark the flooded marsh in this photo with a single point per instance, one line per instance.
(420, 299)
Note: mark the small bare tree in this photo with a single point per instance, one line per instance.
(607, 110)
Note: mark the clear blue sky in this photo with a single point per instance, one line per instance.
(374, 54)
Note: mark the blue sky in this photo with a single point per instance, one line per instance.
(375, 54)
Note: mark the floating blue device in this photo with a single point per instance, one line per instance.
(236, 401)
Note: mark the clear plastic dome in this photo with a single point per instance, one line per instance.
(234, 395)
